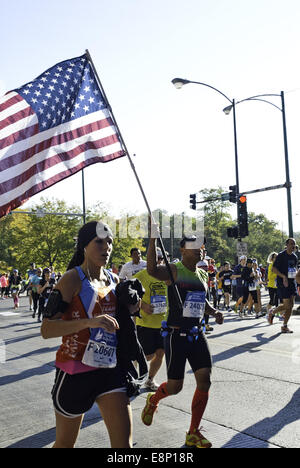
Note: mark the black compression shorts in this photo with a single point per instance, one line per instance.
(178, 350)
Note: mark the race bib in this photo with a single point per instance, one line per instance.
(227, 282)
(160, 304)
(101, 349)
(252, 287)
(292, 273)
(194, 304)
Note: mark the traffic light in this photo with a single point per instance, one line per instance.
(232, 193)
(242, 216)
(193, 201)
(233, 232)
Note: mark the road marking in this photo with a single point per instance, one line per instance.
(8, 314)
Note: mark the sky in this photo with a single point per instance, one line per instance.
(181, 139)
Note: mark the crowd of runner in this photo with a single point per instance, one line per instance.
(230, 288)
(170, 323)
(37, 284)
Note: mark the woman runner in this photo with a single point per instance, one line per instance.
(81, 309)
(15, 287)
(44, 290)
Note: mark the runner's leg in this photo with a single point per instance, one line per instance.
(155, 362)
(116, 412)
(67, 430)
(288, 305)
(200, 398)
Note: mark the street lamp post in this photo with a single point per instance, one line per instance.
(287, 169)
(288, 184)
(179, 82)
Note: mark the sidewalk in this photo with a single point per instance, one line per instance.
(27, 417)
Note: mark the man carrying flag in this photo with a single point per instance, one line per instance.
(51, 128)
(183, 336)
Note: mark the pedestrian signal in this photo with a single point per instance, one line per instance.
(232, 193)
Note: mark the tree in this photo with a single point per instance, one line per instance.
(129, 232)
(47, 240)
(6, 250)
(50, 239)
(216, 221)
(263, 237)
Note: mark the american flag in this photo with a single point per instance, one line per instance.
(52, 128)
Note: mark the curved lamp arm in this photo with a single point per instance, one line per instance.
(179, 82)
(255, 98)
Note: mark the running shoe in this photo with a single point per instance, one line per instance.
(285, 329)
(151, 384)
(148, 411)
(197, 440)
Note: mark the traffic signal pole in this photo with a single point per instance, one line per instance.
(237, 183)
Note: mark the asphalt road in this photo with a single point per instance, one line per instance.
(254, 399)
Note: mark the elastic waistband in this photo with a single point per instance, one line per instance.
(183, 331)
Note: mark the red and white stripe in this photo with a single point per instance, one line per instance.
(32, 160)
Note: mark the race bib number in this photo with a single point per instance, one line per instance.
(227, 282)
(160, 304)
(292, 273)
(101, 349)
(252, 287)
(194, 305)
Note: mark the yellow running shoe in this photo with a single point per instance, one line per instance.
(197, 440)
(148, 411)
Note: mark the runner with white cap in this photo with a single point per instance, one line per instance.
(184, 340)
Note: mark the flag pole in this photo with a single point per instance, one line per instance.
(83, 197)
(177, 295)
(119, 132)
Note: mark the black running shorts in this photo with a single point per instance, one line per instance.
(179, 349)
(73, 395)
(150, 339)
(287, 293)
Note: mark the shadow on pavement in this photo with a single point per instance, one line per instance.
(269, 427)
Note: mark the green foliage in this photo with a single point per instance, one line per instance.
(49, 239)
(263, 237)
(46, 239)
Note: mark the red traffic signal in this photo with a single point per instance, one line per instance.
(242, 216)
